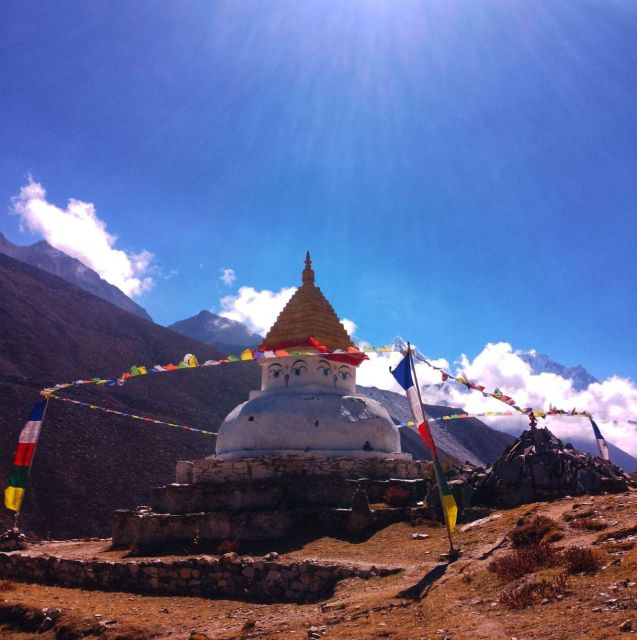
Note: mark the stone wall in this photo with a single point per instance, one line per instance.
(216, 470)
(144, 529)
(277, 494)
(230, 576)
(537, 466)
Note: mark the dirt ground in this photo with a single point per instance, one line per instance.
(428, 599)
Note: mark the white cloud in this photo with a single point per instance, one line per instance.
(256, 309)
(350, 326)
(78, 232)
(612, 402)
(375, 371)
(228, 276)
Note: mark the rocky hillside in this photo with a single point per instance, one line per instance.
(467, 440)
(89, 463)
(49, 259)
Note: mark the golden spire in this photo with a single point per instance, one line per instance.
(308, 273)
(308, 314)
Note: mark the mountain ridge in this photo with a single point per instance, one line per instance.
(43, 256)
(224, 333)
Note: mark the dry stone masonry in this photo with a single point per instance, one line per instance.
(265, 579)
(537, 466)
(269, 498)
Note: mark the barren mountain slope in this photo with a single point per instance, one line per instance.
(89, 463)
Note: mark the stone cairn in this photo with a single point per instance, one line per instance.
(537, 466)
(13, 540)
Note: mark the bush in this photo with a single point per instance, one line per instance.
(534, 592)
(7, 585)
(520, 562)
(396, 496)
(587, 513)
(534, 531)
(582, 560)
(228, 546)
(590, 524)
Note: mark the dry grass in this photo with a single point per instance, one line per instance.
(582, 560)
(618, 534)
(228, 546)
(587, 513)
(590, 524)
(523, 561)
(7, 585)
(534, 593)
(396, 496)
(534, 531)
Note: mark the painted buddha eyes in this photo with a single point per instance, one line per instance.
(275, 370)
(324, 367)
(344, 372)
(299, 367)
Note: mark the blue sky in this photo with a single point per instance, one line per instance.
(462, 172)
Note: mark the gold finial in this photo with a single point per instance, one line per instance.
(308, 273)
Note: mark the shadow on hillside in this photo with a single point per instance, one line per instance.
(422, 587)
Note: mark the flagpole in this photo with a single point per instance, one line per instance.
(452, 551)
(16, 517)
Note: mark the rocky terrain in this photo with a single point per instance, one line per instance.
(545, 571)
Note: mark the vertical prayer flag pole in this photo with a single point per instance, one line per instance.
(439, 472)
(22, 460)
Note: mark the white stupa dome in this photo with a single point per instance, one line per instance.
(308, 403)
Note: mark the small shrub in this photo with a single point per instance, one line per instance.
(533, 531)
(552, 536)
(228, 546)
(618, 534)
(582, 560)
(7, 585)
(520, 562)
(467, 578)
(587, 513)
(590, 524)
(534, 592)
(396, 496)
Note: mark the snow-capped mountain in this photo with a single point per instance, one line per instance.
(48, 258)
(541, 363)
(223, 333)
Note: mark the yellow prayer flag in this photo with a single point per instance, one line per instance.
(451, 509)
(13, 498)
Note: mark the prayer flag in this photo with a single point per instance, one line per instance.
(448, 501)
(601, 442)
(403, 376)
(23, 457)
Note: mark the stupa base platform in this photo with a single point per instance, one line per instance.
(213, 469)
(273, 497)
(144, 529)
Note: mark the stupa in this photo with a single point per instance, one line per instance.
(306, 447)
(308, 403)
